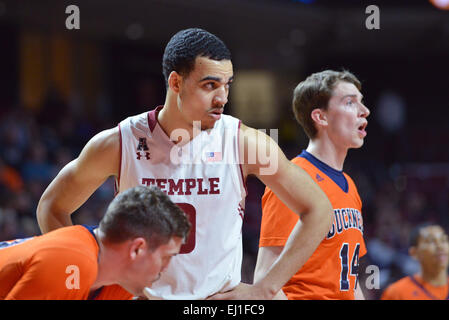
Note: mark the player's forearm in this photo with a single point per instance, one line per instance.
(280, 296)
(57, 202)
(358, 293)
(302, 242)
(65, 194)
(49, 219)
(265, 258)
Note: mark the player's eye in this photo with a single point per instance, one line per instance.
(210, 85)
(429, 240)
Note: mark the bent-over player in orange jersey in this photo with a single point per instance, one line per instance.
(429, 245)
(329, 107)
(139, 234)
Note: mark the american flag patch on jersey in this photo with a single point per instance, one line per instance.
(213, 156)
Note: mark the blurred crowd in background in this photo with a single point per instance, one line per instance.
(402, 172)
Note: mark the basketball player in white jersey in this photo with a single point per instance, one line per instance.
(201, 159)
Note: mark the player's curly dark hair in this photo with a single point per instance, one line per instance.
(145, 212)
(183, 48)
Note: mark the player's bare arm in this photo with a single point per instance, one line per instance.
(358, 293)
(79, 179)
(265, 259)
(301, 194)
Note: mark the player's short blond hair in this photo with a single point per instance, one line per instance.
(315, 92)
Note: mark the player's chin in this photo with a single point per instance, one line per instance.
(357, 143)
(209, 124)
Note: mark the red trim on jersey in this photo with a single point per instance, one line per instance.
(152, 117)
(241, 211)
(238, 153)
(117, 181)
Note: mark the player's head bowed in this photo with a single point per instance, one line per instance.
(145, 212)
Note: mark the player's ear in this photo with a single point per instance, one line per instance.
(174, 81)
(319, 116)
(137, 248)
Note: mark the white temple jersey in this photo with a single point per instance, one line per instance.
(205, 179)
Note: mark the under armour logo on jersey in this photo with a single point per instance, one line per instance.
(319, 178)
(142, 147)
(145, 154)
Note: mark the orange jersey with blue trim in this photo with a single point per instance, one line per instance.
(414, 288)
(60, 265)
(332, 270)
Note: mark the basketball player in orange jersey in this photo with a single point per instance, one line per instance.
(430, 246)
(138, 236)
(329, 107)
(200, 157)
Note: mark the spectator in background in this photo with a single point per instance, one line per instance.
(10, 178)
(430, 246)
(37, 166)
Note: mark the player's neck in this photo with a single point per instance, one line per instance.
(169, 120)
(435, 278)
(106, 274)
(327, 153)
